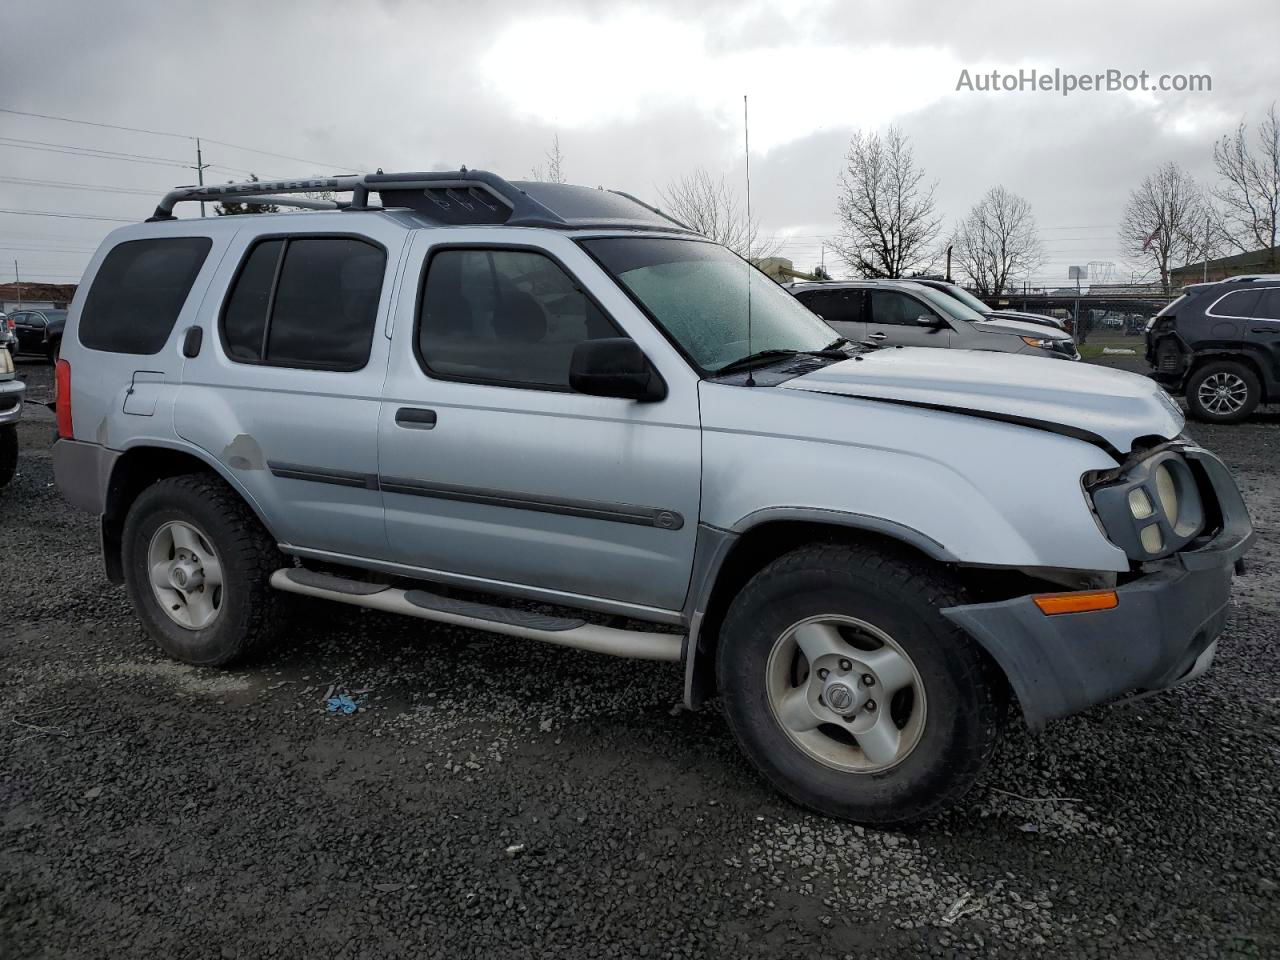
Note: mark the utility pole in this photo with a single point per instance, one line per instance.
(17, 281)
(1204, 276)
(199, 168)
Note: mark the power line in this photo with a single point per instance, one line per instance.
(68, 216)
(96, 156)
(100, 188)
(181, 136)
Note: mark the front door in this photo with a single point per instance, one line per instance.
(899, 319)
(492, 470)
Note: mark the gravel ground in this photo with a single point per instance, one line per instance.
(494, 797)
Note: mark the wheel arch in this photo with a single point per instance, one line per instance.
(725, 560)
(1202, 360)
(135, 469)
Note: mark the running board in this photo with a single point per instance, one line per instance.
(565, 631)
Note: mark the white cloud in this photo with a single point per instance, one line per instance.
(572, 73)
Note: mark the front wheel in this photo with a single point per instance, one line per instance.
(850, 692)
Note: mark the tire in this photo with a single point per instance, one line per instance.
(960, 696)
(8, 453)
(1236, 396)
(245, 606)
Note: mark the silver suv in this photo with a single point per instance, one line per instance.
(905, 313)
(483, 394)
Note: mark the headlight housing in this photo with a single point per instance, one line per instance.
(6, 362)
(1044, 343)
(1153, 509)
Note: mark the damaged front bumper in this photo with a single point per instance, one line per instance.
(1162, 630)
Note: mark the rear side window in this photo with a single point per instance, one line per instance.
(834, 306)
(1239, 305)
(305, 302)
(138, 293)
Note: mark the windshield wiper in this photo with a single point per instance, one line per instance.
(754, 359)
(830, 351)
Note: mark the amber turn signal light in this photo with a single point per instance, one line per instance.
(1052, 604)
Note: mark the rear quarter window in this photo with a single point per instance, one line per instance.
(138, 293)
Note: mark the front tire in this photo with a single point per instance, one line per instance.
(8, 453)
(197, 563)
(849, 691)
(1223, 392)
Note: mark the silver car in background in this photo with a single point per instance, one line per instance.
(903, 313)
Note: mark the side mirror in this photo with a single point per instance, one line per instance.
(615, 367)
(933, 323)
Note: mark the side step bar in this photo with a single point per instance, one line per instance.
(566, 631)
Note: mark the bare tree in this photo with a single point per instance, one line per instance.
(232, 208)
(554, 171)
(888, 220)
(709, 206)
(1164, 223)
(998, 241)
(1249, 194)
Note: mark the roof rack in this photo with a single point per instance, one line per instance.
(454, 197)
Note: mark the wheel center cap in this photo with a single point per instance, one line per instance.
(842, 698)
(185, 577)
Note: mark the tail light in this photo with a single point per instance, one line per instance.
(62, 398)
(10, 322)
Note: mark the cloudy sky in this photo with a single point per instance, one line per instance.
(638, 94)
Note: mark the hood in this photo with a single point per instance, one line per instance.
(1111, 408)
(1002, 323)
(1037, 318)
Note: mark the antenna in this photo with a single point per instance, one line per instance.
(746, 149)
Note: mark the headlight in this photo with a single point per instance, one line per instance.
(6, 361)
(1153, 509)
(1042, 342)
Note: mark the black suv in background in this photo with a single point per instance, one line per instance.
(1219, 343)
(39, 331)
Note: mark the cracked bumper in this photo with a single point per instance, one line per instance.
(1162, 631)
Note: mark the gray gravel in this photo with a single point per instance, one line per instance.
(498, 798)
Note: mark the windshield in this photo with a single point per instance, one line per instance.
(697, 293)
(948, 305)
(967, 298)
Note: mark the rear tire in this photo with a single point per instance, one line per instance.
(1223, 392)
(8, 453)
(875, 607)
(195, 531)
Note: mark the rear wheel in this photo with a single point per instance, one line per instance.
(197, 563)
(850, 692)
(1223, 392)
(8, 453)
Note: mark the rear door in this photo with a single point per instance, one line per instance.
(898, 319)
(286, 386)
(843, 309)
(29, 329)
(1263, 339)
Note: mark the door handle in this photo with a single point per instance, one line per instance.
(1264, 329)
(878, 335)
(416, 418)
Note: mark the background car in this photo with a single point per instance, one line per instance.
(910, 314)
(973, 303)
(11, 395)
(39, 331)
(7, 338)
(1219, 344)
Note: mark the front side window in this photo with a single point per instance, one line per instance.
(138, 292)
(502, 316)
(308, 302)
(899, 309)
(698, 294)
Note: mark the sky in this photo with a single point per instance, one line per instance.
(638, 94)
